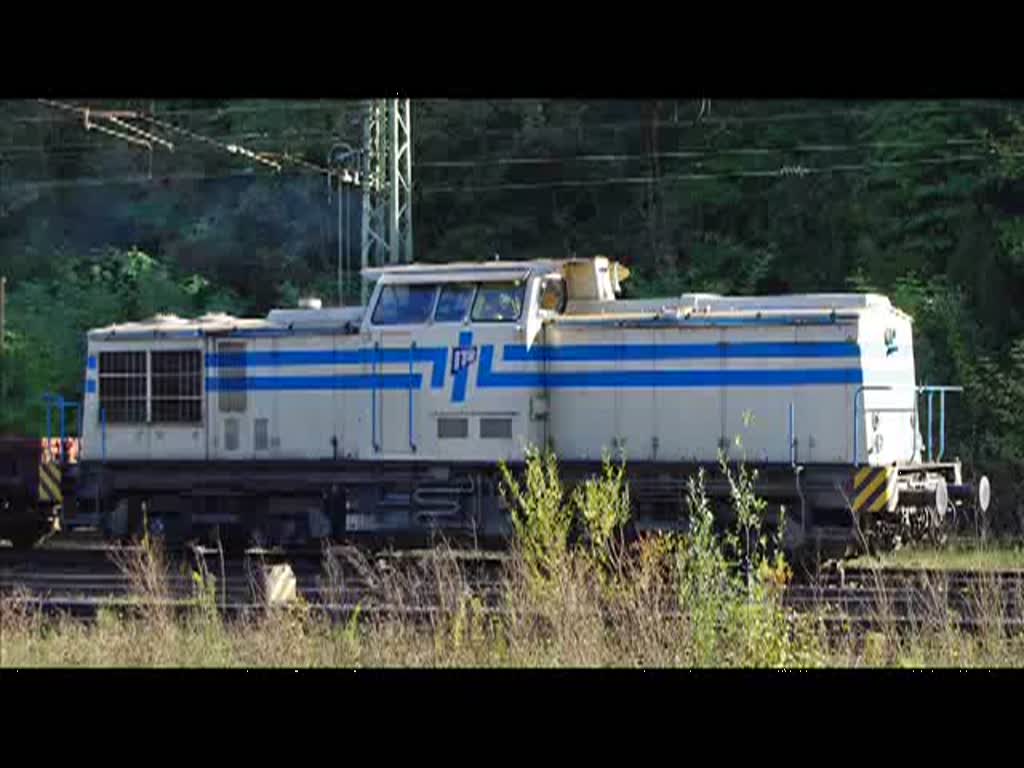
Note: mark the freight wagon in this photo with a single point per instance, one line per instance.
(33, 484)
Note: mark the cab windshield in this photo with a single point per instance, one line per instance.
(412, 304)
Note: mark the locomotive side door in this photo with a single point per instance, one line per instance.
(394, 370)
(494, 377)
(395, 391)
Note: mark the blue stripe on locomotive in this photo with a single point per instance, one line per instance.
(487, 378)
(490, 379)
(616, 352)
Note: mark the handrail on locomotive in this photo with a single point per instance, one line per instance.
(57, 404)
(930, 390)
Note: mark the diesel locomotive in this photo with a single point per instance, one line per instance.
(389, 420)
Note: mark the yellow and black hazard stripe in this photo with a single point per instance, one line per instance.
(49, 483)
(873, 488)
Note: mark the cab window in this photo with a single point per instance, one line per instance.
(454, 303)
(499, 302)
(404, 304)
(552, 295)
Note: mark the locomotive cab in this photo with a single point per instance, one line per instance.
(469, 316)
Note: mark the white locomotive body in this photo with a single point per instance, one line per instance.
(316, 422)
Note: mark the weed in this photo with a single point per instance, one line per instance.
(703, 598)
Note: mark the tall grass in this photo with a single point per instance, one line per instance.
(574, 592)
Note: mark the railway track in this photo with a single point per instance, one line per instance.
(891, 575)
(78, 579)
(78, 576)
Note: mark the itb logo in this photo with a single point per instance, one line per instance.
(462, 358)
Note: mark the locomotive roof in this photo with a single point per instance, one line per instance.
(491, 270)
(328, 318)
(177, 327)
(348, 319)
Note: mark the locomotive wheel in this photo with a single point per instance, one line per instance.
(22, 541)
(234, 540)
(24, 537)
(28, 525)
(938, 516)
(928, 525)
(938, 531)
(124, 523)
(883, 533)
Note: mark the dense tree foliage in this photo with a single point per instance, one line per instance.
(921, 201)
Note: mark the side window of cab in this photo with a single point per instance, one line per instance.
(552, 296)
(454, 303)
(499, 302)
(404, 304)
